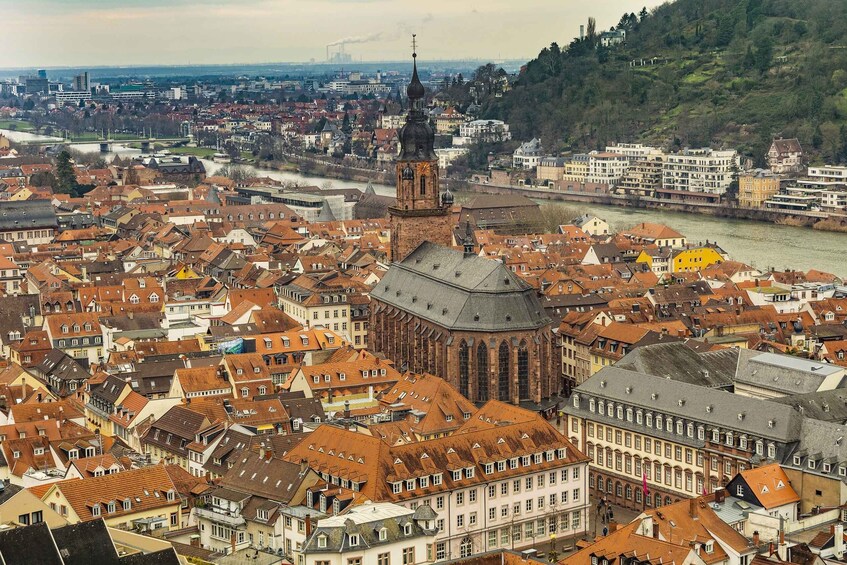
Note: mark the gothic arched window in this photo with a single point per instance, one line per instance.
(523, 371)
(408, 173)
(481, 372)
(464, 375)
(423, 186)
(503, 361)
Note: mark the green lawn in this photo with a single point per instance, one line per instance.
(17, 125)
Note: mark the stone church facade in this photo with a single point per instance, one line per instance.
(448, 312)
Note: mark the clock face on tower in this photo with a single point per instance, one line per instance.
(424, 169)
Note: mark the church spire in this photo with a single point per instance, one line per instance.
(415, 91)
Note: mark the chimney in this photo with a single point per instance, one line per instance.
(770, 549)
(692, 507)
(232, 542)
(303, 466)
(655, 530)
(719, 494)
(262, 450)
(346, 409)
(781, 538)
(838, 532)
(756, 538)
(308, 520)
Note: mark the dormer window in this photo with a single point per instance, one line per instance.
(354, 540)
(64, 329)
(383, 534)
(407, 529)
(127, 504)
(322, 541)
(95, 510)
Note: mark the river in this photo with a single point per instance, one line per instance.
(760, 244)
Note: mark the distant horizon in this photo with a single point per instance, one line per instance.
(44, 34)
(421, 62)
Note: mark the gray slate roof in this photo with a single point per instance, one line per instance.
(782, 373)
(681, 363)
(760, 417)
(827, 405)
(365, 522)
(460, 292)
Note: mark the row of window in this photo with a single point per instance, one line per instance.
(342, 377)
(470, 472)
(826, 466)
(85, 341)
(681, 428)
(527, 460)
(532, 504)
(540, 528)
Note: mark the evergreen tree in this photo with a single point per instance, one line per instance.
(66, 177)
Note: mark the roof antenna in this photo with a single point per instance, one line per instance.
(414, 46)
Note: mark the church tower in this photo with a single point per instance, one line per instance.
(422, 212)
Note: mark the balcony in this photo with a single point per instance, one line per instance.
(220, 516)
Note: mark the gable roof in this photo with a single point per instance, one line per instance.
(769, 485)
(146, 489)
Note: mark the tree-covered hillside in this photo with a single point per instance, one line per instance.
(726, 73)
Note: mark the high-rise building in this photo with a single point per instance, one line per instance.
(422, 212)
(36, 85)
(81, 83)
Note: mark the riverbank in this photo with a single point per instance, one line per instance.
(816, 220)
(317, 168)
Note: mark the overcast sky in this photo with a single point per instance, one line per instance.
(46, 33)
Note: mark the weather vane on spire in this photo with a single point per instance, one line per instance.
(414, 45)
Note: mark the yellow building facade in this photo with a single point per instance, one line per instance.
(754, 189)
(695, 259)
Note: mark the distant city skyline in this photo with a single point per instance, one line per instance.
(67, 33)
